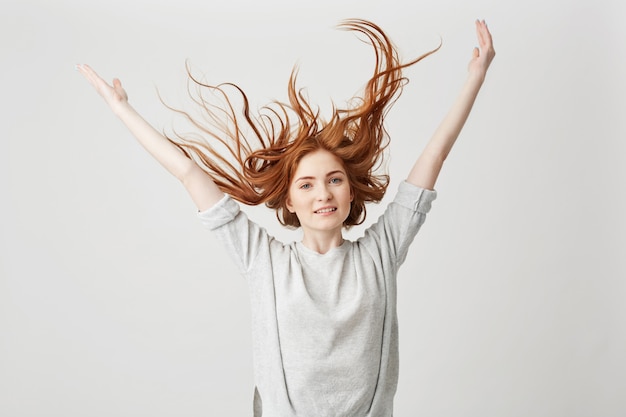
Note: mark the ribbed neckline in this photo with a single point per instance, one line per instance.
(303, 250)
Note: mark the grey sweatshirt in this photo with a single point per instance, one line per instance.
(325, 329)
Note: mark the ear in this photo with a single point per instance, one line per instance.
(289, 205)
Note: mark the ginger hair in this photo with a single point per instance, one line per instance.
(260, 153)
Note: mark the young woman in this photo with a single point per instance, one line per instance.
(325, 334)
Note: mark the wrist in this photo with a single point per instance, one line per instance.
(477, 77)
(121, 108)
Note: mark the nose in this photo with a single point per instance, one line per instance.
(324, 194)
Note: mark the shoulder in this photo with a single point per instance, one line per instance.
(415, 198)
(393, 232)
(223, 212)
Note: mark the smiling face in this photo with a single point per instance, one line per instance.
(320, 194)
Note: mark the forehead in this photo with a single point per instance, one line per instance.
(319, 160)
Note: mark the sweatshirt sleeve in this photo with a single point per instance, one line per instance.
(223, 212)
(395, 230)
(243, 239)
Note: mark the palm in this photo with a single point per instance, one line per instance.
(484, 53)
(112, 94)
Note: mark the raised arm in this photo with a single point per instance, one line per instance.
(198, 183)
(426, 170)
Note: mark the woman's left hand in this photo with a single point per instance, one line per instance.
(484, 53)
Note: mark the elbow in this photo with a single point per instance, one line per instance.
(187, 171)
(426, 170)
(436, 157)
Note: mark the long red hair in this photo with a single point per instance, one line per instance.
(253, 157)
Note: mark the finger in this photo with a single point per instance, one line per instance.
(85, 69)
(97, 82)
(82, 69)
(87, 72)
(480, 32)
(485, 35)
(117, 86)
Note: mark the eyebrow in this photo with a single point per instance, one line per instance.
(338, 171)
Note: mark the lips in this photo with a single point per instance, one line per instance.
(326, 210)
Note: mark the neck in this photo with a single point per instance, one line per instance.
(322, 242)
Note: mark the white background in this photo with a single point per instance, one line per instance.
(115, 302)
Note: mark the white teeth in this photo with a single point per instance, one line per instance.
(327, 210)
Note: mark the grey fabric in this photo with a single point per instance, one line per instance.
(325, 330)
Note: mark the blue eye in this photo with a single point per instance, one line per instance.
(305, 186)
(335, 181)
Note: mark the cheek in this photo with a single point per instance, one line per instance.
(346, 198)
(293, 201)
(349, 195)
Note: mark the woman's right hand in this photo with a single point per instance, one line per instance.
(114, 95)
(204, 192)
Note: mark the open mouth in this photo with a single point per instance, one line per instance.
(326, 210)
